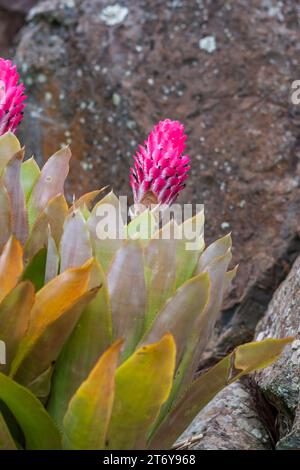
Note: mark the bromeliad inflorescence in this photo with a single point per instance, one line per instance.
(104, 336)
(160, 168)
(11, 97)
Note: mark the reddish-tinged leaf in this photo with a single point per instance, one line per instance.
(106, 210)
(50, 183)
(52, 262)
(5, 216)
(14, 319)
(54, 314)
(75, 244)
(180, 312)
(87, 199)
(11, 266)
(128, 305)
(160, 272)
(17, 199)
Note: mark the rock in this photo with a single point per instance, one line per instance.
(280, 383)
(20, 6)
(100, 84)
(229, 422)
(12, 18)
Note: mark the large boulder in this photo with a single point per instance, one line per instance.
(99, 76)
(230, 422)
(280, 383)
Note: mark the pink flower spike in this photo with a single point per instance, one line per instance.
(160, 168)
(11, 97)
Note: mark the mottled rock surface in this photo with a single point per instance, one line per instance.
(100, 78)
(229, 422)
(280, 383)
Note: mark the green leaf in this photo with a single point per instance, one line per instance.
(90, 338)
(142, 227)
(218, 248)
(9, 146)
(5, 216)
(143, 384)
(105, 249)
(243, 360)
(6, 440)
(189, 247)
(89, 411)
(160, 271)
(30, 173)
(35, 270)
(180, 312)
(39, 430)
(128, 306)
(49, 184)
(52, 261)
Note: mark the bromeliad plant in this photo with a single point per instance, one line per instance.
(103, 337)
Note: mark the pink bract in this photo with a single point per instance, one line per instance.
(11, 97)
(160, 168)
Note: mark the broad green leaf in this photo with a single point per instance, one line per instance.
(35, 270)
(9, 146)
(38, 237)
(180, 312)
(142, 227)
(189, 247)
(143, 384)
(107, 212)
(53, 216)
(215, 250)
(75, 244)
(5, 216)
(52, 261)
(30, 173)
(128, 305)
(202, 328)
(6, 440)
(243, 360)
(54, 314)
(39, 430)
(160, 271)
(11, 266)
(56, 212)
(14, 319)
(90, 338)
(87, 419)
(49, 184)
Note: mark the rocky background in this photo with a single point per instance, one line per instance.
(100, 73)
